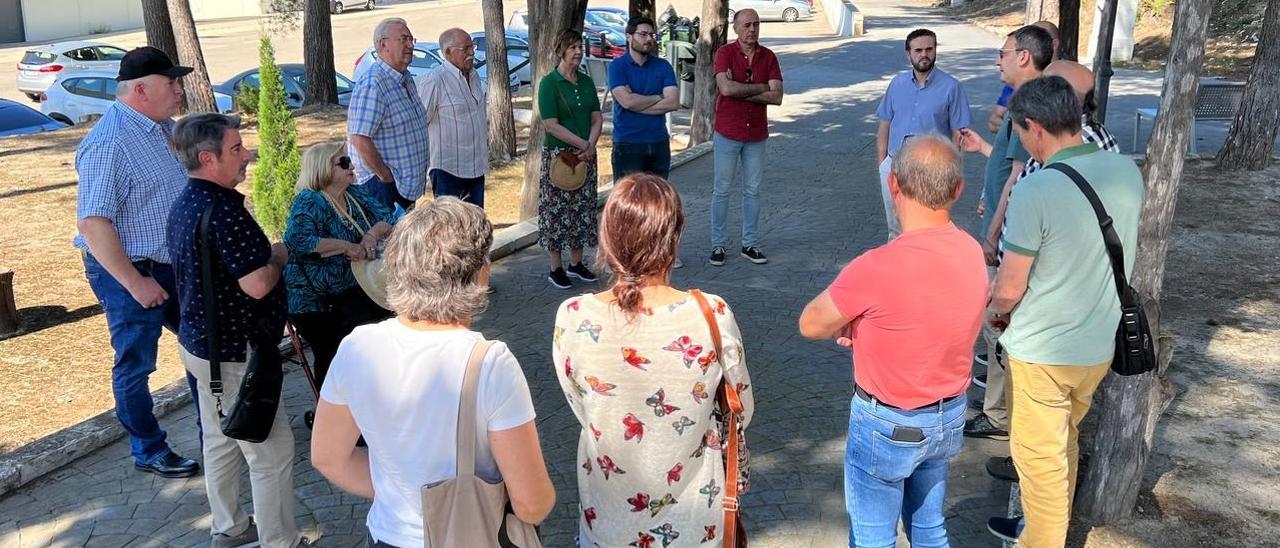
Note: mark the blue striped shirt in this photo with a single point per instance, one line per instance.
(385, 108)
(130, 175)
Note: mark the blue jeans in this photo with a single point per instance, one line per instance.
(652, 158)
(135, 334)
(728, 154)
(467, 189)
(386, 193)
(886, 479)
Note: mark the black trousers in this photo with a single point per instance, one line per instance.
(322, 331)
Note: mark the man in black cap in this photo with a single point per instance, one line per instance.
(129, 177)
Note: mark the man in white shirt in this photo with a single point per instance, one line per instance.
(454, 97)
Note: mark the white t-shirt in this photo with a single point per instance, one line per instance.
(403, 386)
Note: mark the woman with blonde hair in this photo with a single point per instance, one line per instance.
(399, 384)
(331, 223)
(639, 367)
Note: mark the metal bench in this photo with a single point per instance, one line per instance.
(1216, 100)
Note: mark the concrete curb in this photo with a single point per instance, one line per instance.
(31, 461)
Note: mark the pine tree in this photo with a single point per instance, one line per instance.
(279, 162)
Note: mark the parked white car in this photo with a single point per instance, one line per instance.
(41, 66)
(426, 56)
(78, 97)
(774, 10)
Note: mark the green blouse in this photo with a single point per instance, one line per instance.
(570, 104)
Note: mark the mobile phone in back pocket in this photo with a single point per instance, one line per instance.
(907, 434)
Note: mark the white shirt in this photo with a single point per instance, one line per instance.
(403, 386)
(456, 121)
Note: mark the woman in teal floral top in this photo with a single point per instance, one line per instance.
(331, 223)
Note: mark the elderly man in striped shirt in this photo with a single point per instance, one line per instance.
(454, 97)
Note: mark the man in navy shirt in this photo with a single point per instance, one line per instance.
(251, 304)
(644, 90)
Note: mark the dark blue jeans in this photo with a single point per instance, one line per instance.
(652, 158)
(470, 190)
(386, 193)
(135, 334)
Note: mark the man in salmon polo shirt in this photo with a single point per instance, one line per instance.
(910, 309)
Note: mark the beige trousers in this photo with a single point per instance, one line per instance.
(270, 464)
(995, 401)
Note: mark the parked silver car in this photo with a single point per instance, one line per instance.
(774, 10)
(40, 66)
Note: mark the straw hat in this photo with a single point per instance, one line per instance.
(568, 177)
(372, 278)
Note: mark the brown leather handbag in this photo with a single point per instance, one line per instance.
(736, 458)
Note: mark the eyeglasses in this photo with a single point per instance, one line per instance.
(344, 162)
(748, 75)
(471, 47)
(644, 34)
(1000, 54)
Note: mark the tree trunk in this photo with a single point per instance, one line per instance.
(1040, 10)
(546, 18)
(714, 33)
(198, 90)
(155, 17)
(1129, 406)
(1253, 133)
(502, 123)
(642, 8)
(1069, 29)
(317, 54)
(8, 309)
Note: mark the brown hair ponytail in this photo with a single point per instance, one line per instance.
(640, 231)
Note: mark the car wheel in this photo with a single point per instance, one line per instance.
(790, 15)
(731, 14)
(368, 5)
(337, 8)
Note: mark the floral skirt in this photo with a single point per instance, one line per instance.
(567, 219)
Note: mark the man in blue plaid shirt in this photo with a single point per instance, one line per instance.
(129, 178)
(386, 122)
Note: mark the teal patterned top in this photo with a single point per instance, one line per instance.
(312, 218)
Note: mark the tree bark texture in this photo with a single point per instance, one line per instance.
(1129, 406)
(317, 54)
(199, 91)
(1040, 10)
(8, 309)
(1069, 29)
(546, 18)
(714, 32)
(642, 8)
(155, 17)
(1253, 133)
(502, 124)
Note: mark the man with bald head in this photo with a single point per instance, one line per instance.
(454, 97)
(907, 414)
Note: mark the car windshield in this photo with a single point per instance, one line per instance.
(38, 58)
(18, 116)
(109, 53)
(422, 59)
(344, 85)
(607, 18)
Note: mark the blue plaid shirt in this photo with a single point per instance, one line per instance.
(385, 108)
(130, 175)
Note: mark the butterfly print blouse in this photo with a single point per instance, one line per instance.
(650, 468)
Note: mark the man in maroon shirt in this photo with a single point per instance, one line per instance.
(748, 79)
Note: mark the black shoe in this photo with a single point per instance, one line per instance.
(1008, 529)
(717, 256)
(490, 290)
(1002, 468)
(980, 381)
(980, 359)
(981, 427)
(580, 272)
(559, 279)
(170, 465)
(976, 404)
(754, 255)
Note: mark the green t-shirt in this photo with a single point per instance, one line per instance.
(1006, 150)
(1069, 314)
(570, 104)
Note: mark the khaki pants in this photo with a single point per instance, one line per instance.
(995, 401)
(890, 214)
(270, 464)
(1049, 401)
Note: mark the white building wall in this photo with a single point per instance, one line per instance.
(48, 20)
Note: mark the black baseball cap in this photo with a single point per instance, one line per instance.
(145, 61)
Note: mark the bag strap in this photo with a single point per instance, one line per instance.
(467, 410)
(210, 306)
(727, 398)
(1115, 251)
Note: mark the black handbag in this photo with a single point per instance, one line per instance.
(254, 410)
(1135, 351)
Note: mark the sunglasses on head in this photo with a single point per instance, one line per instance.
(344, 162)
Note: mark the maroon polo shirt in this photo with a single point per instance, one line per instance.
(740, 119)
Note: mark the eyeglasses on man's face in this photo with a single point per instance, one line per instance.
(644, 34)
(1000, 53)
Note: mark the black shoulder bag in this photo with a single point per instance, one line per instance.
(254, 410)
(1135, 351)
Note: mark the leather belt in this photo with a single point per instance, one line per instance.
(871, 398)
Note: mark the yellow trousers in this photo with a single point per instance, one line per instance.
(1049, 401)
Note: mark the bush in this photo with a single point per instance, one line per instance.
(279, 162)
(247, 99)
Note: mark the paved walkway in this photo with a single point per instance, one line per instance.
(821, 207)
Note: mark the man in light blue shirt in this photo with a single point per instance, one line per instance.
(919, 101)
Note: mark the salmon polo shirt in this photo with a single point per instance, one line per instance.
(916, 305)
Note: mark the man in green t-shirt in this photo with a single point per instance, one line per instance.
(1055, 292)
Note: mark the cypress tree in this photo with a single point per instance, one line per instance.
(279, 161)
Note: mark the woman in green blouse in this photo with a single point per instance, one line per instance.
(571, 115)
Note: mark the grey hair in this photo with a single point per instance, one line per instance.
(449, 38)
(380, 31)
(432, 259)
(929, 170)
(1050, 101)
(123, 88)
(200, 133)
